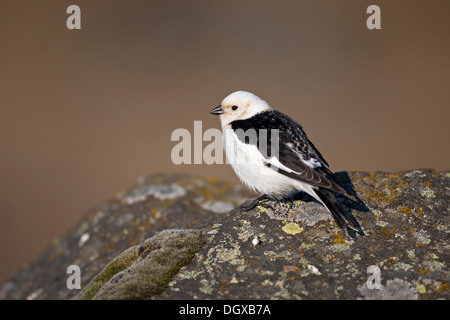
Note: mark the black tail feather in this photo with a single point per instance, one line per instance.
(342, 218)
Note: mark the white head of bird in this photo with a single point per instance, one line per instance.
(239, 105)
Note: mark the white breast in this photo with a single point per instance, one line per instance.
(248, 163)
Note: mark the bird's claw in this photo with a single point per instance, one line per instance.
(251, 204)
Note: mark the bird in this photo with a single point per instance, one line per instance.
(272, 155)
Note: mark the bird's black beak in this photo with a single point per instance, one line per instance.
(217, 110)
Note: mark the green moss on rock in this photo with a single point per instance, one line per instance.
(144, 270)
(120, 263)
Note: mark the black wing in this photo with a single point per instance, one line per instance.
(294, 149)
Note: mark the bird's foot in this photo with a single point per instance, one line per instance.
(251, 204)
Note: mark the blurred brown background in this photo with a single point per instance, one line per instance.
(83, 113)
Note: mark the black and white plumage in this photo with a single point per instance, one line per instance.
(293, 165)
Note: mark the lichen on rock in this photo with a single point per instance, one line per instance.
(208, 252)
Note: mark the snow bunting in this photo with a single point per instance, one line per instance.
(285, 163)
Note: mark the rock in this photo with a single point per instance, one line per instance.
(304, 256)
(144, 270)
(153, 204)
(275, 251)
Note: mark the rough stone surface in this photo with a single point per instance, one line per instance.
(275, 251)
(144, 270)
(152, 204)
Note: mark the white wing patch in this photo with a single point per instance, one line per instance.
(312, 162)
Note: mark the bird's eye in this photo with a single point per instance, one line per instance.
(234, 107)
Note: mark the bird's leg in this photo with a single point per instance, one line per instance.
(253, 203)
